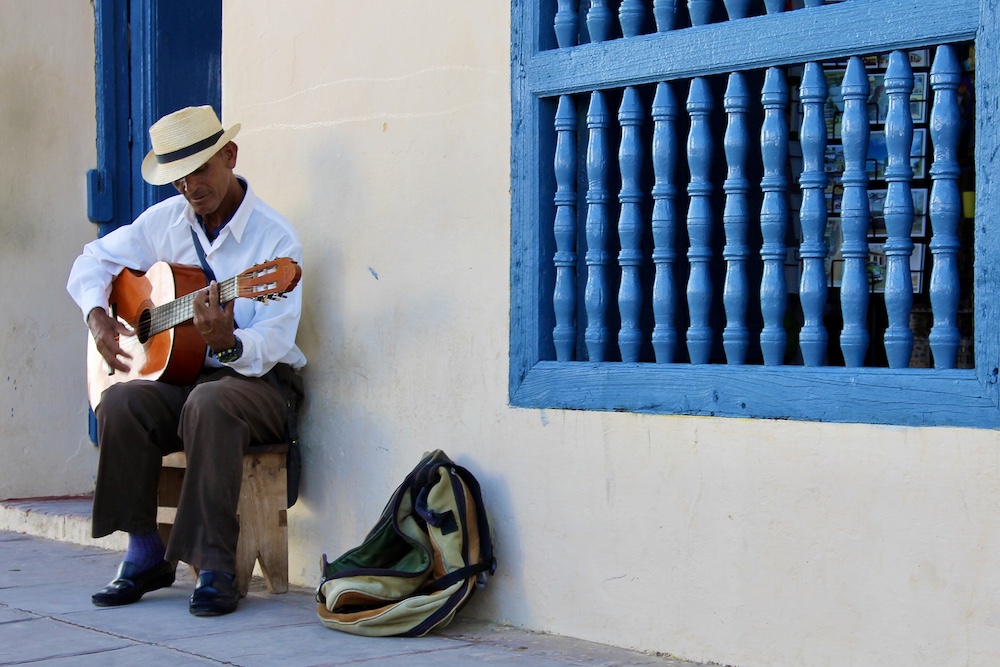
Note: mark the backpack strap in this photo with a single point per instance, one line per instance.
(487, 558)
(447, 523)
(459, 575)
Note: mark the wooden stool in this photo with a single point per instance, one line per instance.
(262, 513)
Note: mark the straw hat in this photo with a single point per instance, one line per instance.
(182, 142)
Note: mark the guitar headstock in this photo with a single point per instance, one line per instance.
(268, 280)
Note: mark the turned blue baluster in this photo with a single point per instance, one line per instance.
(898, 211)
(774, 6)
(699, 221)
(595, 294)
(814, 3)
(854, 214)
(630, 16)
(567, 23)
(630, 116)
(813, 337)
(736, 9)
(700, 11)
(564, 229)
(664, 221)
(735, 218)
(774, 216)
(665, 14)
(945, 206)
(599, 20)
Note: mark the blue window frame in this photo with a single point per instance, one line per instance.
(634, 55)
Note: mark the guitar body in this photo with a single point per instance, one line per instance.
(158, 307)
(174, 355)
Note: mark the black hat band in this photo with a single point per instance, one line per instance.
(182, 153)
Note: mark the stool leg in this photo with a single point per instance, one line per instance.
(263, 522)
(274, 557)
(245, 557)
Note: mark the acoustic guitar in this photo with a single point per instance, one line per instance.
(166, 346)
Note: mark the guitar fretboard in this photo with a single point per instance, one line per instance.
(180, 310)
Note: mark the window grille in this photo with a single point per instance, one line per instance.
(753, 209)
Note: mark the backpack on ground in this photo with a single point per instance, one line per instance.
(429, 552)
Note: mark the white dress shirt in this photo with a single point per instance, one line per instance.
(256, 233)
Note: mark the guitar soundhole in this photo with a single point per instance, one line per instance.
(142, 330)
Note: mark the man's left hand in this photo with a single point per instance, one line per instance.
(214, 323)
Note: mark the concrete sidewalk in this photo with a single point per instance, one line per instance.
(46, 618)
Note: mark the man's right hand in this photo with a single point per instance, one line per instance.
(107, 332)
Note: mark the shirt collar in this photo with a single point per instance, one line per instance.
(238, 223)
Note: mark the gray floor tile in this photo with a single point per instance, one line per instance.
(162, 616)
(312, 644)
(146, 656)
(42, 638)
(464, 656)
(8, 615)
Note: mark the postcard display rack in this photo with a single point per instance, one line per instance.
(921, 154)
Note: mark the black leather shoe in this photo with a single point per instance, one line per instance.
(130, 585)
(214, 595)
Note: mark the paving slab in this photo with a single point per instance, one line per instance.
(149, 656)
(162, 617)
(312, 644)
(40, 638)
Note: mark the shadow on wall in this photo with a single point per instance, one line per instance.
(353, 456)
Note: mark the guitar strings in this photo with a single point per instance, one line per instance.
(169, 315)
(178, 311)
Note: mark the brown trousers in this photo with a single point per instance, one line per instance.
(213, 421)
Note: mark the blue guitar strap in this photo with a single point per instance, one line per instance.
(209, 273)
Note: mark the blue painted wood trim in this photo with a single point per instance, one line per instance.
(854, 215)
(665, 14)
(630, 224)
(631, 14)
(753, 43)
(144, 102)
(599, 20)
(925, 397)
(736, 9)
(567, 23)
(527, 134)
(987, 223)
(598, 198)
(700, 11)
(898, 211)
(564, 231)
(813, 336)
(735, 220)
(664, 222)
(882, 396)
(108, 184)
(945, 207)
(700, 221)
(774, 216)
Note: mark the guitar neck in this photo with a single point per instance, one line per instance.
(180, 310)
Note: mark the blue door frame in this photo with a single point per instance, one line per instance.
(152, 57)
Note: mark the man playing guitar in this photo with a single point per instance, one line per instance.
(245, 352)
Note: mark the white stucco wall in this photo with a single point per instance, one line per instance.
(382, 129)
(47, 134)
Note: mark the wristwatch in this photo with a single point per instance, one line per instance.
(231, 354)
